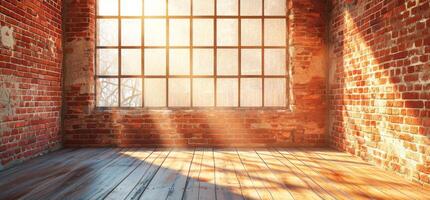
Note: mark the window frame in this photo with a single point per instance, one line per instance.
(286, 77)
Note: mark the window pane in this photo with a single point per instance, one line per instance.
(107, 7)
(227, 7)
(275, 92)
(251, 61)
(131, 92)
(251, 32)
(274, 61)
(203, 32)
(227, 61)
(203, 7)
(155, 61)
(131, 60)
(275, 7)
(107, 61)
(179, 61)
(131, 7)
(131, 32)
(155, 7)
(227, 92)
(251, 7)
(179, 32)
(250, 92)
(274, 32)
(155, 92)
(155, 32)
(107, 92)
(107, 32)
(179, 92)
(227, 32)
(179, 7)
(203, 92)
(203, 61)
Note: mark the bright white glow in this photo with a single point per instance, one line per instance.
(203, 32)
(227, 92)
(107, 7)
(155, 61)
(155, 92)
(251, 92)
(251, 61)
(228, 61)
(107, 32)
(227, 32)
(155, 7)
(275, 7)
(179, 92)
(131, 32)
(203, 61)
(203, 92)
(179, 61)
(203, 7)
(275, 32)
(274, 61)
(179, 32)
(180, 7)
(251, 32)
(131, 7)
(251, 7)
(227, 7)
(131, 62)
(274, 94)
(155, 32)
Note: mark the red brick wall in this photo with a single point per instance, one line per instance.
(380, 83)
(30, 78)
(84, 125)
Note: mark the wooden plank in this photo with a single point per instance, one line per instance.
(298, 188)
(342, 175)
(207, 176)
(262, 178)
(193, 183)
(99, 183)
(17, 185)
(35, 163)
(133, 179)
(249, 191)
(305, 179)
(385, 181)
(333, 188)
(159, 157)
(74, 181)
(169, 182)
(227, 183)
(121, 171)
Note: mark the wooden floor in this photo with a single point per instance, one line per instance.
(202, 174)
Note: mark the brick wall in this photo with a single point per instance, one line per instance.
(380, 83)
(84, 125)
(30, 78)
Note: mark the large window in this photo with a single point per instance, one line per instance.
(191, 53)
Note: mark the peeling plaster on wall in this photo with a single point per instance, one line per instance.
(51, 45)
(304, 75)
(7, 102)
(6, 37)
(77, 66)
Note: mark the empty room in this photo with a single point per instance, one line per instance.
(215, 99)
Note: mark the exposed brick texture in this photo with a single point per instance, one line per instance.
(380, 83)
(304, 125)
(30, 78)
